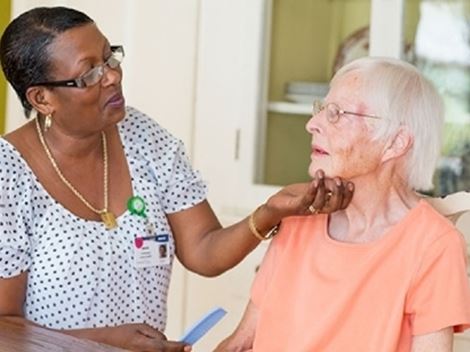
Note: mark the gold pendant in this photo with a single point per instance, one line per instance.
(109, 220)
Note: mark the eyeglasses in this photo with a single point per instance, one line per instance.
(334, 112)
(93, 76)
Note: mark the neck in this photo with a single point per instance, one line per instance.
(73, 146)
(380, 201)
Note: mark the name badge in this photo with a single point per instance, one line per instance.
(151, 250)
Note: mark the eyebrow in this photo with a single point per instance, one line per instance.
(106, 46)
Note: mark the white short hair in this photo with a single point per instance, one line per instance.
(401, 94)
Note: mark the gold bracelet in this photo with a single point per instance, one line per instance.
(255, 231)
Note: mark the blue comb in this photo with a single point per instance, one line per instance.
(199, 329)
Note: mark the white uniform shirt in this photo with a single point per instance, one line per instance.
(81, 275)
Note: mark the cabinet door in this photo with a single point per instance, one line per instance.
(229, 71)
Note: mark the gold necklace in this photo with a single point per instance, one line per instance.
(107, 217)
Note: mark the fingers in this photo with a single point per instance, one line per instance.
(311, 194)
(329, 195)
(173, 346)
(348, 194)
(320, 174)
(319, 199)
(154, 341)
(321, 195)
(148, 331)
(334, 196)
(158, 341)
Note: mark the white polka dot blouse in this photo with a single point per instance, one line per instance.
(81, 275)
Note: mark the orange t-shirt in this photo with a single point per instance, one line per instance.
(317, 294)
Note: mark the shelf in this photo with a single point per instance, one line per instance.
(284, 107)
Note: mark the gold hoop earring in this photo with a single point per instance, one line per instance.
(47, 122)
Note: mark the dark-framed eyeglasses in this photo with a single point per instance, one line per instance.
(334, 112)
(93, 76)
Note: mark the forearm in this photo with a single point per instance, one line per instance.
(222, 248)
(94, 334)
(205, 248)
(234, 344)
(244, 335)
(439, 341)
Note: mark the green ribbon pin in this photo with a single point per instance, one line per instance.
(136, 206)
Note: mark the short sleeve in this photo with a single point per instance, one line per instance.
(150, 145)
(15, 215)
(440, 294)
(185, 186)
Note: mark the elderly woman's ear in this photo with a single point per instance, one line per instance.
(39, 100)
(398, 145)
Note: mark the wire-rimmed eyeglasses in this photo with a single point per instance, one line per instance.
(334, 112)
(93, 76)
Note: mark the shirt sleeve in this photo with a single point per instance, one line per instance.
(15, 217)
(440, 293)
(185, 187)
(179, 186)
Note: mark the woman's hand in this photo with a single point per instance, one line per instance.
(208, 249)
(140, 338)
(321, 195)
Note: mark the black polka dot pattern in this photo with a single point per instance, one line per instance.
(81, 275)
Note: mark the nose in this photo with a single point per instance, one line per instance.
(111, 75)
(313, 124)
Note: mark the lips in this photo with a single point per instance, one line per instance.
(117, 100)
(316, 150)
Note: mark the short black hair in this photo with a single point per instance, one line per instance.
(24, 45)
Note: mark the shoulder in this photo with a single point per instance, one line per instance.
(429, 237)
(137, 126)
(16, 180)
(300, 229)
(433, 226)
(135, 117)
(13, 165)
(144, 138)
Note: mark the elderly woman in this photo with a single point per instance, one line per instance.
(387, 273)
(96, 198)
